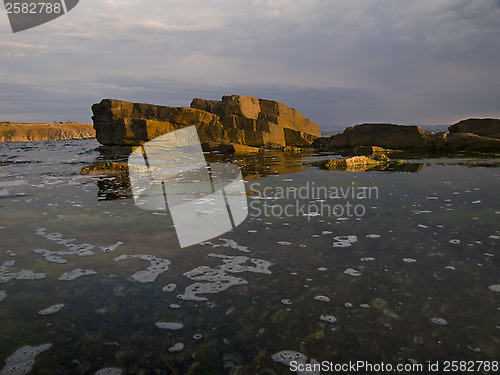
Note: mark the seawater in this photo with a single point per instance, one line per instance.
(91, 282)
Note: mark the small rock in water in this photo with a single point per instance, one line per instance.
(169, 325)
(23, 359)
(286, 302)
(494, 288)
(348, 305)
(75, 274)
(176, 348)
(51, 310)
(109, 371)
(439, 321)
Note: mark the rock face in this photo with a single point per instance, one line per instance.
(236, 119)
(121, 123)
(31, 132)
(487, 127)
(401, 137)
(382, 135)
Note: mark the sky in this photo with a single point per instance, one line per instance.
(339, 62)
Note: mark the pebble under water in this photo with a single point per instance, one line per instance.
(92, 284)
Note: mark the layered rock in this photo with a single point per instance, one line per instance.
(30, 132)
(400, 137)
(121, 123)
(260, 122)
(486, 127)
(237, 120)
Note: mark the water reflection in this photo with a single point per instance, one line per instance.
(89, 284)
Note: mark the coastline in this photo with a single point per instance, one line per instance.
(36, 132)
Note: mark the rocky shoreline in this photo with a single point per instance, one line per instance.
(37, 132)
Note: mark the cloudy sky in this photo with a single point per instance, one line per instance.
(339, 62)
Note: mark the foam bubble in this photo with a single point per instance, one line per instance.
(216, 281)
(156, 267)
(6, 275)
(494, 288)
(439, 321)
(233, 264)
(51, 310)
(352, 272)
(22, 360)
(176, 348)
(169, 287)
(109, 371)
(322, 298)
(328, 318)
(75, 274)
(409, 260)
(110, 248)
(173, 326)
(285, 357)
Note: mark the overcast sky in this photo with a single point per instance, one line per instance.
(339, 62)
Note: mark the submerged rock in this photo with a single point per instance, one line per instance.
(355, 163)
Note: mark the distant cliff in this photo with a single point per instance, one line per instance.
(24, 132)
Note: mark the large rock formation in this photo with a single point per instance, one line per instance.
(486, 127)
(400, 137)
(240, 120)
(259, 122)
(29, 132)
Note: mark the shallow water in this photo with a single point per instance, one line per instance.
(411, 273)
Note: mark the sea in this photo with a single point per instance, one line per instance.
(394, 270)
